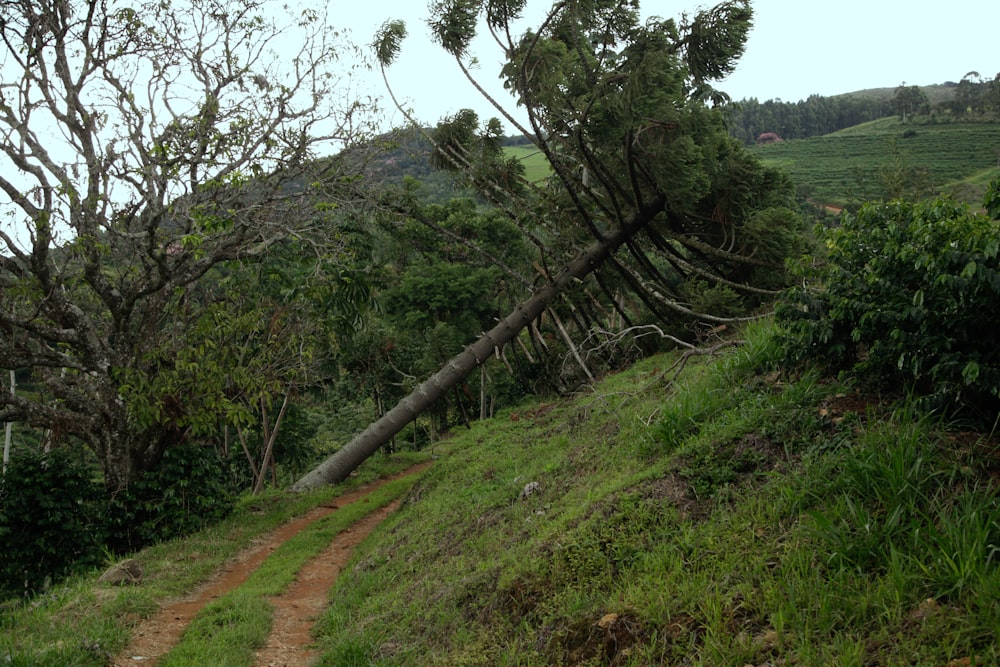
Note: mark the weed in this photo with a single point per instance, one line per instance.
(961, 555)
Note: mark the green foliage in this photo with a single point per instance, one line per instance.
(718, 300)
(454, 24)
(909, 298)
(295, 449)
(991, 200)
(439, 288)
(455, 294)
(716, 38)
(909, 101)
(50, 519)
(474, 154)
(189, 490)
(388, 41)
(899, 507)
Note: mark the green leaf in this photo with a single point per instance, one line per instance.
(970, 373)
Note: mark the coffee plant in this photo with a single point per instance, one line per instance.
(908, 298)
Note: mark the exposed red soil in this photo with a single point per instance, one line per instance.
(290, 642)
(829, 208)
(295, 610)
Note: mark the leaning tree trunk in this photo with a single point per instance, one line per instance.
(338, 466)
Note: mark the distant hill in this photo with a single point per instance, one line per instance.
(936, 93)
(832, 147)
(405, 153)
(750, 119)
(845, 167)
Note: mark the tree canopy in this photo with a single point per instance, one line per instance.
(143, 148)
(649, 194)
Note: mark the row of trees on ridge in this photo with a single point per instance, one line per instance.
(974, 97)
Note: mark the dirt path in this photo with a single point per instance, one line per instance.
(295, 610)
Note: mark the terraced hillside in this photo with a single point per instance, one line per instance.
(840, 168)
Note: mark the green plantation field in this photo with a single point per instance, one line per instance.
(536, 167)
(842, 167)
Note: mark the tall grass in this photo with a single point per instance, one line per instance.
(756, 520)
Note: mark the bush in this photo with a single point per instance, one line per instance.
(910, 298)
(49, 519)
(188, 491)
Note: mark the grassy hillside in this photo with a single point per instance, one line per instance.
(936, 93)
(728, 515)
(956, 156)
(736, 517)
(536, 167)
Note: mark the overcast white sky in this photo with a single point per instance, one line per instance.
(797, 48)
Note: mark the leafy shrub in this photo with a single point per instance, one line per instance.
(188, 491)
(49, 519)
(910, 297)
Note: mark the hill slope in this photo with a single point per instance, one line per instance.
(736, 517)
(844, 166)
(695, 510)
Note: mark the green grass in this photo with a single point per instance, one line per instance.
(828, 166)
(226, 632)
(81, 623)
(536, 167)
(732, 515)
(738, 516)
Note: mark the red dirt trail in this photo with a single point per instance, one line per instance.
(289, 643)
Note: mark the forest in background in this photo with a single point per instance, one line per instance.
(974, 98)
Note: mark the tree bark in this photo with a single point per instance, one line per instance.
(8, 428)
(337, 467)
(270, 436)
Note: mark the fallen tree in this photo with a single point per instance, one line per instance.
(642, 163)
(337, 467)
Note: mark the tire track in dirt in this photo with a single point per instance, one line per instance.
(295, 611)
(156, 635)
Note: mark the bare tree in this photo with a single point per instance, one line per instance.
(142, 146)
